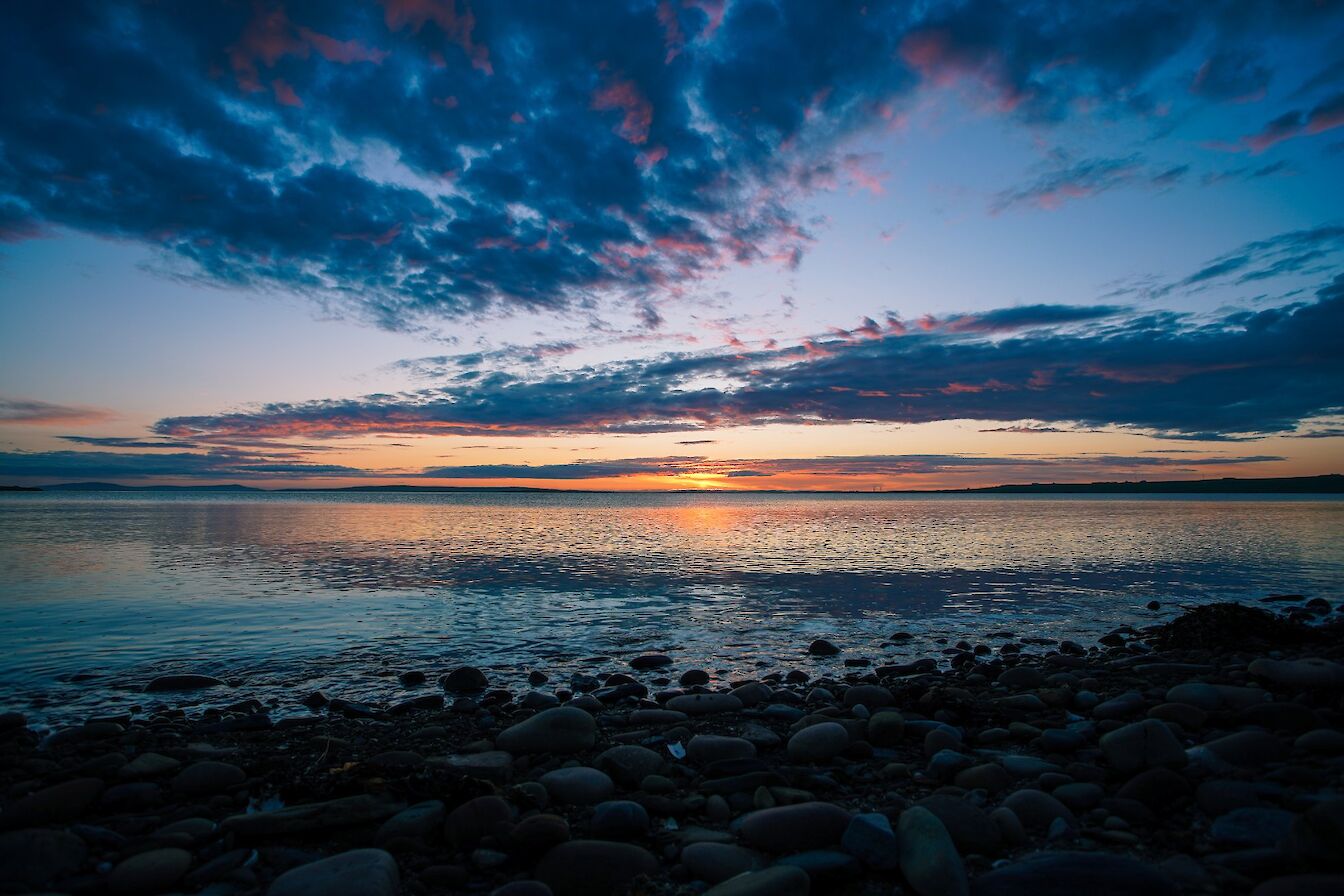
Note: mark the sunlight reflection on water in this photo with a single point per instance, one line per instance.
(343, 590)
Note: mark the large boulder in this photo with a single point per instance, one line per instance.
(559, 730)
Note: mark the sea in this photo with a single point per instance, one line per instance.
(282, 594)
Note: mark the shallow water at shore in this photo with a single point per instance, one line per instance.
(100, 591)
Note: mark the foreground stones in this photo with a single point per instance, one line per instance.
(1043, 769)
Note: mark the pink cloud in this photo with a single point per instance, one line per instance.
(624, 95)
(458, 26)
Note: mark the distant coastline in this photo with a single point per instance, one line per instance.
(1326, 484)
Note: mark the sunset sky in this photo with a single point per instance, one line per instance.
(675, 244)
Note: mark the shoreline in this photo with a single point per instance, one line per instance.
(1203, 754)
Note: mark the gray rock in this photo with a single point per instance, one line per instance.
(717, 862)
(1302, 885)
(594, 867)
(928, 858)
(496, 765)
(971, 828)
(870, 839)
(1198, 694)
(818, 743)
(579, 786)
(1037, 809)
(650, 661)
(537, 833)
(753, 693)
(886, 728)
(706, 748)
(619, 820)
(1326, 741)
(359, 872)
(822, 647)
(152, 871)
(1072, 873)
(704, 704)
(148, 765)
(1142, 745)
(988, 776)
(873, 696)
(1309, 673)
(795, 828)
(181, 683)
(1249, 748)
(32, 858)
(476, 819)
(1080, 795)
(781, 880)
(309, 817)
(1252, 827)
(463, 680)
(629, 764)
(1021, 678)
(559, 730)
(207, 778)
(422, 822)
(60, 803)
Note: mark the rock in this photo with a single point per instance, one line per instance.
(886, 728)
(578, 786)
(870, 839)
(559, 730)
(1155, 788)
(629, 764)
(148, 765)
(717, 862)
(781, 880)
(795, 828)
(1325, 741)
(537, 833)
(1074, 873)
(464, 679)
(1249, 748)
(753, 693)
(988, 776)
(1317, 836)
(619, 820)
(1302, 885)
(706, 748)
(207, 778)
(1009, 826)
(1020, 678)
(150, 872)
(822, 647)
(1219, 796)
(523, 888)
(594, 867)
(1309, 673)
(870, 695)
(1080, 795)
(181, 683)
(411, 678)
(1189, 717)
(309, 817)
(58, 804)
(1197, 694)
(422, 822)
(657, 717)
(650, 661)
(1037, 809)
(35, 857)
(692, 677)
(971, 828)
(495, 765)
(826, 868)
(359, 872)
(704, 704)
(1252, 827)
(484, 816)
(818, 743)
(1141, 745)
(928, 859)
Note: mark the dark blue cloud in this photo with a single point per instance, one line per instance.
(410, 160)
(103, 465)
(1248, 372)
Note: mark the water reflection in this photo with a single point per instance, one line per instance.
(336, 587)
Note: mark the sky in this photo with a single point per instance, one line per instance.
(683, 244)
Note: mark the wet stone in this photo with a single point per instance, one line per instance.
(359, 872)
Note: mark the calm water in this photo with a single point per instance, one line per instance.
(100, 591)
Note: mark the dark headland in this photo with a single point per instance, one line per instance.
(1201, 755)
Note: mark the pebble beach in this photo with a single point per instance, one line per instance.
(1200, 755)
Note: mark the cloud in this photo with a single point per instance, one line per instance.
(1068, 181)
(1235, 75)
(1246, 372)
(103, 465)
(1324, 116)
(419, 159)
(28, 412)
(882, 465)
